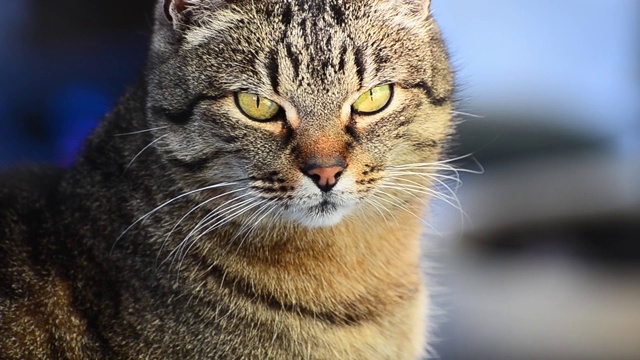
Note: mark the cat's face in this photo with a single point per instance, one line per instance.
(307, 105)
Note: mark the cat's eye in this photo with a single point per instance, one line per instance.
(256, 107)
(374, 100)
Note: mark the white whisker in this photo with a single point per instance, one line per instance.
(425, 175)
(247, 223)
(141, 131)
(443, 165)
(377, 206)
(143, 150)
(213, 214)
(407, 210)
(268, 205)
(475, 116)
(175, 226)
(190, 243)
(213, 219)
(411, 189)
(143, 217)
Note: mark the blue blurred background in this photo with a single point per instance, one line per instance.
(547, 262)
(63, 63)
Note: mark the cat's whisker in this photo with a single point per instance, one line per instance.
(421, 186)
(143, 150)
(417, 193)
(413, 190)
(453, 199)
(213, 214)
(141, 131)
(175, 226)
(425, 175)
(453, 192)
(467, 114)
(433, 171)
(215, 217)
(269, 207)
(407, 210)
(252, 203)
(188, 244)
(202, 204)
(145, 216)
(446, 162)
(377, 206)
(437, 167)
(393, 200)
(408, 183)
(248, 223)
(432, 182)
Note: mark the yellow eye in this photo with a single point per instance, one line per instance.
(374, 100)
(256, 107)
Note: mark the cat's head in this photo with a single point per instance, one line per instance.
(314, 107)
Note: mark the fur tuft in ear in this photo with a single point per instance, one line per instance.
(174, 8)
(418, 7)
(185, 13)
(422, 6)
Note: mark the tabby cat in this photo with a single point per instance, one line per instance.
(257, 196)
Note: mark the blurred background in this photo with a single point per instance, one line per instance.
(545, 265)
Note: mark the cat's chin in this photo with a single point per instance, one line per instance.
(318, 216)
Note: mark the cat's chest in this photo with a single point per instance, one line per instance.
(229, 326)
(286, 337)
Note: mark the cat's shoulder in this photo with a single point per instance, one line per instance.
(27, 207)
(26, 193)
(30, 174)
(28, 183)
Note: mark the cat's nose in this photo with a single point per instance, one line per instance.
(325, 177)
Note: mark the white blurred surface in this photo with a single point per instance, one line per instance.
(542, 308)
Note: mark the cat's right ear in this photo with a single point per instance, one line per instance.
(177, 12)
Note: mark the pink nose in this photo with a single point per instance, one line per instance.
(324, 177)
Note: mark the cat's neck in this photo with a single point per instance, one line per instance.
(363, 267)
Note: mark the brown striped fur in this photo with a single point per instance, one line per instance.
(114, 258)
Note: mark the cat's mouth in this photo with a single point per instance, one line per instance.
(325, 213)
(326, 206)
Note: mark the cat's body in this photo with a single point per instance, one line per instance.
(217, 236)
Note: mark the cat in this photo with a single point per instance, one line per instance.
(256, 196)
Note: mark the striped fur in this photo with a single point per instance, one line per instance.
(188, 231)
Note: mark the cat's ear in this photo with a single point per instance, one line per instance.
(421, 8)
(183, 14)
(176, 11)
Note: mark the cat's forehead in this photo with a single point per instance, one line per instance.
(310, 40)
(306, 21)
